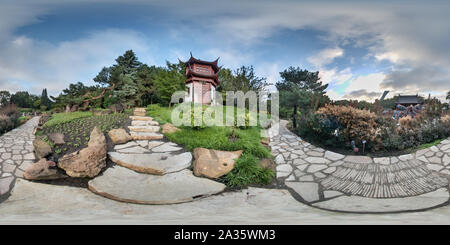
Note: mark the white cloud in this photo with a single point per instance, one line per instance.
(37, 64)
(325, 57)
(334, 76)
(366, 87)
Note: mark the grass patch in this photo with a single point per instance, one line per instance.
(59, 118)
(247, 170)
(160, 114)
(24, 119)
(428, 145)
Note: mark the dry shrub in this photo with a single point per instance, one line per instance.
(355, 124)
(446, 120)
(9, 117)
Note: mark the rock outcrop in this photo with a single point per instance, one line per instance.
(214, 163)
(43, 170)
(168, 128)
(119, 136)
(87, 162)
(41, 148)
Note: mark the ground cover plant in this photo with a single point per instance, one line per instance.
(247, 170)
(78, 129)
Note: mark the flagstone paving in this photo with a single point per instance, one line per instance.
(16, 154)
(334, 181)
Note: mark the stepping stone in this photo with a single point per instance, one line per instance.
(316, 168)
(141, 118)
(135, 149)
(309, 191)
(333, 156)
(122, 146)
(383, 205)
(4, 184)
(146, 136)
(144, 123)
(152, 144)
(167, 147)
(306, 178)
(125, 185)
(143, 143)
(330, 194)
(154, 163)
(149, 129)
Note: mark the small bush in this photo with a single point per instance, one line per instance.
(9, 118)
(247, 171)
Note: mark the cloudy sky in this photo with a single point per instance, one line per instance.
(360, 48)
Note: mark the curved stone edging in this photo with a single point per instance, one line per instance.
(331, 181)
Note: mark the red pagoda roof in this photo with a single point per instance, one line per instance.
(213, 64)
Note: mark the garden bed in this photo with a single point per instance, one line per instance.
(77, 128)
(352, 131)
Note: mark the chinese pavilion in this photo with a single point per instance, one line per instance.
(407, 100)
(201, 80)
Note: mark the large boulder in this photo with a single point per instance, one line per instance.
(89, 161)
(41, 148)
(119, 136)
(168, 128)
(57, 138)
(214, 163)
(43, 170)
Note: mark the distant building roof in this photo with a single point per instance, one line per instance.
(408, 99)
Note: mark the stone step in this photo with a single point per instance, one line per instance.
(121, 184)
(149, 129)
(144, 123)
(141, 118)
(139, 113)
(154, 163)
(142, 109)
(146, 136)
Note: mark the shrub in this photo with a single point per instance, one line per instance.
(351, 123)
(247, 171)
(9, 118)
(337, 126)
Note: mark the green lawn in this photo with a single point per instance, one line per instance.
(59, 118)
(247, 170)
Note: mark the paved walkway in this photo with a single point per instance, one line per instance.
(337, 182)
(37, 203)
(16, 154)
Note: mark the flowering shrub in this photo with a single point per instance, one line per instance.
(338, 126)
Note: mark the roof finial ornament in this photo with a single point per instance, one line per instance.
(191, 53)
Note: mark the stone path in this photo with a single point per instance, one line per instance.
(333, 181)
(150, 170)
(29, 204)
(16, 154)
